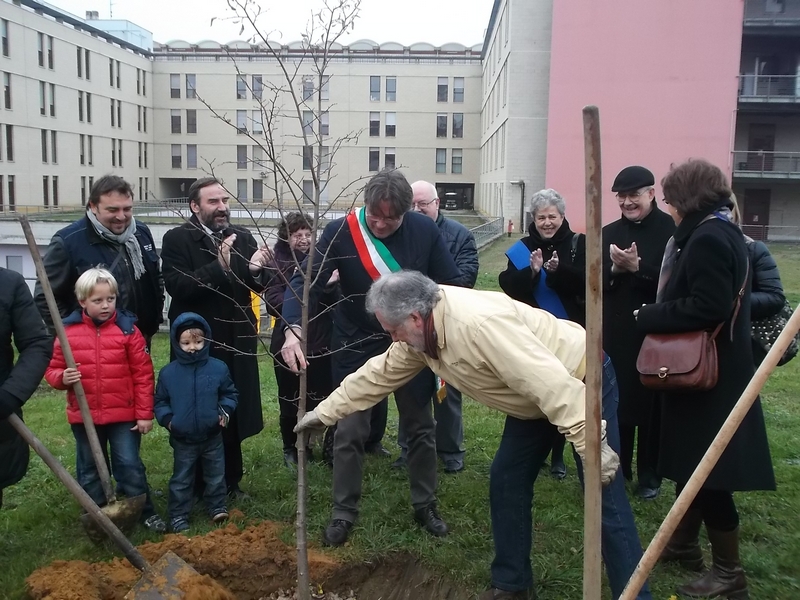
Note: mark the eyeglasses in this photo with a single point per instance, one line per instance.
(622, 196)
(423, 204)
(384, 220)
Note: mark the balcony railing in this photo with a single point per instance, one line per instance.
(771, 13)
(779, 89)
(766, 165)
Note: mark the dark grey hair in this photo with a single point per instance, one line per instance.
(397, 295)
(546, 198)
(392, 186)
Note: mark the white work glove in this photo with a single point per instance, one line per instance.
(609, 461)
(310, 420)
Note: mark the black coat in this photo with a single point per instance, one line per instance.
(766, 298)
(622, 294)
(707, 276)
(197, 283)
(19, 320)
(569, 280)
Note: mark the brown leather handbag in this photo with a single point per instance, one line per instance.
(683, 362)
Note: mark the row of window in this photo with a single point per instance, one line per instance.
(46, 197)
(49, 147)
(191, 121)
(175, 85)
(493, 152)
(8, 194)
(50, 195)
(390, 159)
(7, 133)
(45, 50)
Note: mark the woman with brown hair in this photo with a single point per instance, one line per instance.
(704, 268)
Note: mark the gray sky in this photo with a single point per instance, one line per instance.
(462, 21)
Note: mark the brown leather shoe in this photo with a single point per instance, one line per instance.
(684, 545)
(726, 578)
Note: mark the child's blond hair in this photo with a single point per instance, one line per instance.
(89, 280)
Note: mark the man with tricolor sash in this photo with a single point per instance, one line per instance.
(381, 237)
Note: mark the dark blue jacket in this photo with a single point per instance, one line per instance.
(192, 388)
(77, 248)
(461, 243)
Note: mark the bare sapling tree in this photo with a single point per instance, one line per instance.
(291, 122)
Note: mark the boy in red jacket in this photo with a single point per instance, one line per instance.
(117, 376)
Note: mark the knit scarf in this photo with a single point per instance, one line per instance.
(126, 239)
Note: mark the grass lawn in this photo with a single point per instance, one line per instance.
(39, 522)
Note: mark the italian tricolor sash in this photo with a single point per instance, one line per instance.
(372, 252)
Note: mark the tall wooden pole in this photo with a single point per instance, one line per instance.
(592, 563)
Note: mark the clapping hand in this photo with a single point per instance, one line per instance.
(551, 266)
(536, 261)
(260, 259)
(224, 255)
(624, 260)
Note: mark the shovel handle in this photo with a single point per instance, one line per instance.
(58, 325)
(131, 553)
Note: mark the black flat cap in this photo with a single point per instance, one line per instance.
(633, 178)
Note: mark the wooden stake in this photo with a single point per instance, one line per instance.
(592, 563)
(711, 457)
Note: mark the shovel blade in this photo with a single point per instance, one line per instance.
(163, 580)
(124, 513)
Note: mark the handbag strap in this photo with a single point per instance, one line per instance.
(737, 305)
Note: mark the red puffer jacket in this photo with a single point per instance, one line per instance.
(116, 370)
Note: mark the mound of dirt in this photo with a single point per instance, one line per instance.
(251, 563)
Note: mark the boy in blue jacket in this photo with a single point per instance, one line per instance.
(195, 398)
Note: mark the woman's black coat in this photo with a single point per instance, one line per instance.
(569, 280)
(707, 276)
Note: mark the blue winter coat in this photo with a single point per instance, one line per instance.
(193, 387)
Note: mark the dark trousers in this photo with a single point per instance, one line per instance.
(318, 385)
(379, 415)
(646, 453)
(210, 455)
(449, 427)
(125, 464)
(523, 449)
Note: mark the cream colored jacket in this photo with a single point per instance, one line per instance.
(502, 353)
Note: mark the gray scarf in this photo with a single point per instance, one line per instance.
(126, 238)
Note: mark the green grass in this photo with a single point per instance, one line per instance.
(39, 523)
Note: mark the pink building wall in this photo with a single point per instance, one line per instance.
(664, 76)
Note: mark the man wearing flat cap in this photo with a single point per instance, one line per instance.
(633, 247)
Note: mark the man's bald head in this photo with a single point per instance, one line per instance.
(426, 199)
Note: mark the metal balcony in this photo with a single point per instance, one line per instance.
(757, 164)
(769, 89)
(772, 13)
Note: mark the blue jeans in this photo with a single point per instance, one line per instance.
(523, 449)
(186, 455)
(126, 465)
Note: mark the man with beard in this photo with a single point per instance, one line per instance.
(380, 237)
(107, 235)
(633, 249)
(210, 268)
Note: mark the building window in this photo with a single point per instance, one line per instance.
(458, 89)
(191, 156)
(144, 118)
(10, 147)
(50, 62)
(308, 157)
(241, 157)
(388, 158)
(257, 87)
(54, 147)
(175, 120)
(42, 99)
(4, 35)
(144, 93)
(111, 72)
(441, 125)
(90, 157)
(441, 89)
(191, 85)
(52, 99)
(325, 160)
(12, 193)
(258, 157)
(326, 88)
(7, 90)
(375, 88)
(241, 121)
(308, 88)
(113, 114)
(441, 160)
(55, 190)
(191, 121)
(13, 263)
(138, 118)
(241, 87)
(140, 155)
(89, 108)
(2, 195)
(374, 124)
(119, 152)
(86, 64)
(176, 156)
(374, 159)
(391, 124)
(308, 190)
(44, 146)
(174, 85)
(241, 190)
(391, 89)
(458, 125)
(505, 84)
(139, 91)
(324, 124)
(455, 165)
(145, 155)
(40, 46)
(113, 152)
(46, 190)
(308, 122)
(258, 127)
(119, 82)
(83, 189)
(80, 62)
(258, 190)
(82, 148)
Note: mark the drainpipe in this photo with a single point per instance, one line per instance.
(521, 184)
